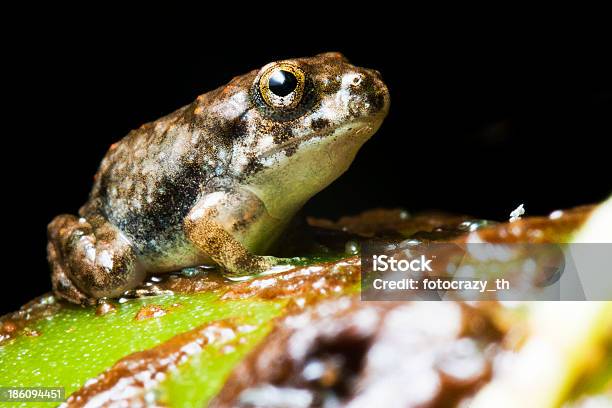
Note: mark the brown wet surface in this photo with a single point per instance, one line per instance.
(206, 280)
(150, 312)
(555, 228)
(302, 284)
(381, 222)
(344, 351)
(19, 321)
(443, 227)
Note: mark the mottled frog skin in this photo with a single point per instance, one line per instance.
(218, 180)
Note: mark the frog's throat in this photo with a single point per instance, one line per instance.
(286, 182)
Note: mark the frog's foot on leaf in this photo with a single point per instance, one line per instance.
(145, 291)
(281, 264)
(265, 265)
(89, 259)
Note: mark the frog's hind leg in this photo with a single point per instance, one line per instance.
(90, 259)
(222, 225)
(62, 285)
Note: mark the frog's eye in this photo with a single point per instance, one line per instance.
(282, 86)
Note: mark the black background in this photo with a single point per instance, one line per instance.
(477, 125)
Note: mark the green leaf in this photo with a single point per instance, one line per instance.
(74, 344)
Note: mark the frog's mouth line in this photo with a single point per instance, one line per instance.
(353, 130)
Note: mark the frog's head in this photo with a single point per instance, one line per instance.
(298, 124)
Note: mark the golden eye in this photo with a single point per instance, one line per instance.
(282, 85)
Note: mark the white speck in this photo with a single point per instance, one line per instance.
(555, 215)
(266, 142)
(105, 260)
(313, 370)
(516, 214)
(195, 137)
(90, 253)
(233, 106)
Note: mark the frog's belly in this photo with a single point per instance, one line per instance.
(170, 250)
(175, 252)
(172, 255)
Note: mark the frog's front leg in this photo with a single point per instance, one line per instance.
(230, 227)
(90, 259)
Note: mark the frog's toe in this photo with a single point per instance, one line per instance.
(274, 261)
(63, 286)
(272, 264)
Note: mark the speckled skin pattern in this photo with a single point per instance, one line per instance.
(215, 181)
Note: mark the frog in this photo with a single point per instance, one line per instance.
(218, 181)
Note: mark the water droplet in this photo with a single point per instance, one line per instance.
(473, 225)
(104, 308)
(190, 272)
(555, 215)
(409, 243)
(351, 247)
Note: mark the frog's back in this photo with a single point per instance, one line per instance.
(149, 180)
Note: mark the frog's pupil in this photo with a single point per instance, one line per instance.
(282, 82)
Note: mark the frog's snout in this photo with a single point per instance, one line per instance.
(375, 98)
